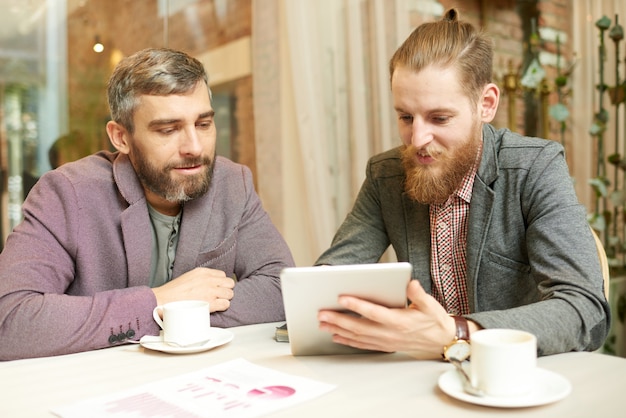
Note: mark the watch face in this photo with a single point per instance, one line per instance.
(460, 350)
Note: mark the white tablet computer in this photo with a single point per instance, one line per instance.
(307, 290)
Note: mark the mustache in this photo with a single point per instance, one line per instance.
(189, 162)
(429, 150)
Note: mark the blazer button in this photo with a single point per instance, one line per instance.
(130, 334)
(112, 339)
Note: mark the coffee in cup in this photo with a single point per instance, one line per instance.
(503, 361)
(185, 323)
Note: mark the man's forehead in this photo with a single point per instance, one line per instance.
(174, 106)
(433, 83)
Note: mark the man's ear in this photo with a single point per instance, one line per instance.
(489, 100)
(118, 135)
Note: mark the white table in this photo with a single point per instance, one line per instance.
(368, 385)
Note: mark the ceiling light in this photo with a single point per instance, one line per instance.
(97, 46)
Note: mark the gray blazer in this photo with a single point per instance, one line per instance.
(74, 274)
(531, 258)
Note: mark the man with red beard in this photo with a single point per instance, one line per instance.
(488, 218)
(109, 237)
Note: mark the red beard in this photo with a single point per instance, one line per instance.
(435, 183)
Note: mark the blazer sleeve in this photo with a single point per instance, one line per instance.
(63, 281)
(260, 255)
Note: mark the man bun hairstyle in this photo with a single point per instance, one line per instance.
(449, 42)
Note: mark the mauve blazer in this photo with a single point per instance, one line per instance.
(74, 275)
(531, 258)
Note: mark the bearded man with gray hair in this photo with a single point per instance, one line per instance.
(107, 238)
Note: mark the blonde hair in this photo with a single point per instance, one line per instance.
(449, 43)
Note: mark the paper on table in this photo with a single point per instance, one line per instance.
(236, 388)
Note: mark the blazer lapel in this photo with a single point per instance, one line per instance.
(418, 240)
(193, 230)
(137, 233)
(481, 211)
(196, 222)
(135, 222)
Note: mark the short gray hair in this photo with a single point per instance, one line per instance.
(152, 71)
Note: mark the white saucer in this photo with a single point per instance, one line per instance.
(548, 387)
(218, 336)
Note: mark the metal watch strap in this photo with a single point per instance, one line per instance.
(462, 329)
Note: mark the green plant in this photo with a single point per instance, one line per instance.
(609, 214)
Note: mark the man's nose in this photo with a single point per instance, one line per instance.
(191, 143)
(421, 135)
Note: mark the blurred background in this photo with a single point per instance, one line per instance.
(301, 87)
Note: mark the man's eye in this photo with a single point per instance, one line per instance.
(167, 131)
(406, 118)
(441, 119)
(205, 124)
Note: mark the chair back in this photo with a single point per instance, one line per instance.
(604, 263)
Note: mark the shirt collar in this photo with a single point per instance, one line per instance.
(465, 189)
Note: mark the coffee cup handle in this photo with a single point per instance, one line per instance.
(156, 316)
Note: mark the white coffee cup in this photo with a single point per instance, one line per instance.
(185, 322)
(503, 361)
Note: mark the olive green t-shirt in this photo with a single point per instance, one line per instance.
(164, 242)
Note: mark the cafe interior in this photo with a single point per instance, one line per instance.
(301, 94)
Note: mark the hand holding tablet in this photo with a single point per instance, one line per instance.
(307, 290)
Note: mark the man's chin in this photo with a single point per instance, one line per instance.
(432, 172)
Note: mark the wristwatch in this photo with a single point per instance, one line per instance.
(459, 348)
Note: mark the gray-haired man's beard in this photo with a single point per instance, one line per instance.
(160, 182)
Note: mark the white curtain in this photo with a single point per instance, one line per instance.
(323, 106)
(316, 65)
(337, 54)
